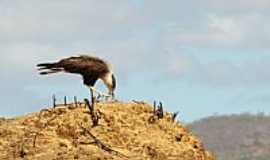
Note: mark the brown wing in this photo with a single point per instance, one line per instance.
(91, 68)
(84, 65)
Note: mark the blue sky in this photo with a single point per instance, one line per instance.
(198, 57)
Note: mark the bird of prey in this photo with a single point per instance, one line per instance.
(89, 67)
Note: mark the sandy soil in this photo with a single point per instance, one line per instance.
(123, 132)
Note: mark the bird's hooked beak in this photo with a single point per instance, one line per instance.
(110, 82)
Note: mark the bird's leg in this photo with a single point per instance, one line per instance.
(100, 93)
(113, 96)
(92, 96)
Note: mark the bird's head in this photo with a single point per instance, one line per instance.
(110, 82)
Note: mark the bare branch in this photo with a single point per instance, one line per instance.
(54, 101)
(101, 144)
(159, 111)
(94, 115)
(75, 101)
(155, 103)
(65, 100)
(90, 107)
(174, 115)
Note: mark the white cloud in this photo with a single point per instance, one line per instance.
(224, 32)
(131, 37)
(235, 6)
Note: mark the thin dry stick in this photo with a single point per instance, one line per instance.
(155, 103)
(159, 111)
(90, 107)
(94, 115)
(54, 101)
(101, 144)
(152, 118)
(65, 100)
(174, 115)
(75, 101)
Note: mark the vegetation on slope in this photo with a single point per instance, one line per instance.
(236, 137)
(123, 132)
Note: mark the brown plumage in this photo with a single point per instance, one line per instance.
(91, 68)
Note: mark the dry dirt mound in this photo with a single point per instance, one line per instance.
(123, 132)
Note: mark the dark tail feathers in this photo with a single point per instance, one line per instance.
(49, 67)
(46, 65)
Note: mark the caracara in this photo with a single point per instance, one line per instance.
(91, 68)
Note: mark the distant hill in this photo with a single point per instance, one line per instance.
(235, 137)
(123, 131)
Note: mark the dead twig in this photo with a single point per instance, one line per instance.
(75, 101)
(101, 144)
(174, 115)
(65, 100)
(157, 112)
(154, 107)
(95, 116)
(90, 107)
(54, 101)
